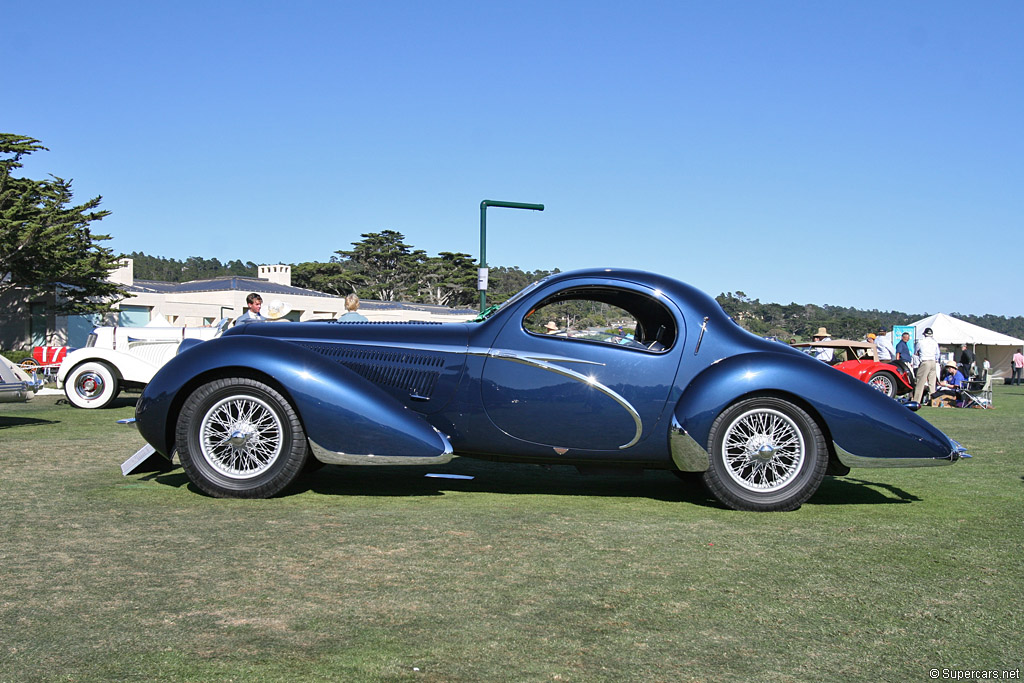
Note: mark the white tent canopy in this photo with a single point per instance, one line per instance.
(949, 331)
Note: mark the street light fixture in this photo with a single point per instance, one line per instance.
(481, 277)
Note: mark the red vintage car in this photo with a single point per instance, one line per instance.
(44, 359)
(860, 359)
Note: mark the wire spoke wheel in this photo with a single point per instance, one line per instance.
(767, 454)
(764, 450)
(238, 437)
(241, 436)
(884, 382)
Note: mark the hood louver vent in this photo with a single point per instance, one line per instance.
(416, 373)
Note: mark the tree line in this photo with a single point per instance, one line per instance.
(801, 321)
(380, 266)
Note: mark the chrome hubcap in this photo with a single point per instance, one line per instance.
(241, 437)
(89, 385)
(764, 450)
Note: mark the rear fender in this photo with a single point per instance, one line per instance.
(347, 419)
(858, 419)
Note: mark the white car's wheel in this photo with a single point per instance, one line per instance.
(91, 385)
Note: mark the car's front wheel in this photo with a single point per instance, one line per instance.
(240, 438)
(767, 454)
(91, 385)
(885, 382)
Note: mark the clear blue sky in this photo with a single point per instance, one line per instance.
(795, 151)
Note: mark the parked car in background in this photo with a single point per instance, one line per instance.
(44, 359)
(115, 358)
(15, 383)
(860, 359)
(689, 391)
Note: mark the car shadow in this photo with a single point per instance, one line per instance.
(7, 422)
(553, 480)
(500, 478)
(123, 401)
(847, 491)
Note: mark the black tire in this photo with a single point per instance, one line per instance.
(767, 455)
(885, 382)
(240, 438)
(91, 384)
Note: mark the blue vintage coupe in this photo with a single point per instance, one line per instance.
(594, 368)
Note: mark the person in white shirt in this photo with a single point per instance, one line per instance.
(927, 373)
(824, 355)
(886, 352)
(254, 302)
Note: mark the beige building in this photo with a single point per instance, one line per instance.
(24, 324)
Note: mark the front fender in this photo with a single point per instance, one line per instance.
(128, 368)
(861, 421)
(346, 418)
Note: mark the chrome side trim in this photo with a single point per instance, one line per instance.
(337, 458)
(132, 342)
(852, 460)
(687, 454)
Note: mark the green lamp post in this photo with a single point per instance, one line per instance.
(481, 278)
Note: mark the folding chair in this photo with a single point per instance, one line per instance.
(983, 387)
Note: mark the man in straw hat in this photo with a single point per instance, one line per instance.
(823, 354)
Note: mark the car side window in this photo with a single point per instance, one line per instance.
(604, 315)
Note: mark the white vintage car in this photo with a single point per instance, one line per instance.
(117, 357)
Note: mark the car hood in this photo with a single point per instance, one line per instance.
(419, 363)
(402, 335)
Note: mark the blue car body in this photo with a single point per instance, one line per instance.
(417, 393)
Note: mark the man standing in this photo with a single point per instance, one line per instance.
(1018, 367)
(966, 360)
(903, 352)
(927, 373)
(884, 347)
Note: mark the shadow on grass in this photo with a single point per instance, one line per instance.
(847, 491)
(500, 478)
(559, 480)
(11, 422)
(123, 401)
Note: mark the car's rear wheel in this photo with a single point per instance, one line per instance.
(240, 438)
(885, 382)
(767, 454)
(91, 385)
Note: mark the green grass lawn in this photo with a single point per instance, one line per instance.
(521, 573)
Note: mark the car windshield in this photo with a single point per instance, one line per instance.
(490, 310)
